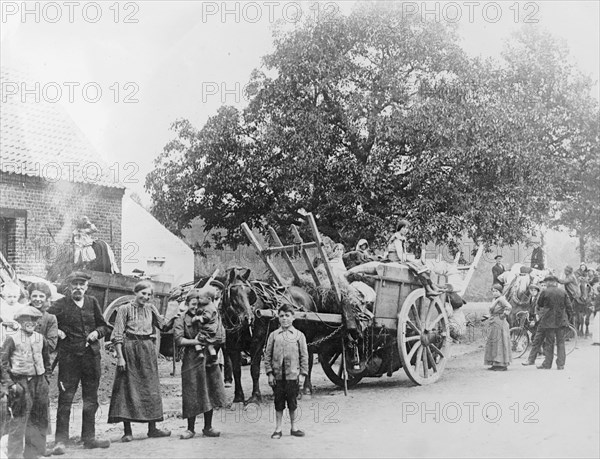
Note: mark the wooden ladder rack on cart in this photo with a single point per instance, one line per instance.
(301, 247)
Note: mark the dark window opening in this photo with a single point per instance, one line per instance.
(8, 231)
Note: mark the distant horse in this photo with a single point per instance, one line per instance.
(517, 290)
(247, 332)
(583, 308)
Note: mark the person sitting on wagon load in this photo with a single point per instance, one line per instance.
(397, 252)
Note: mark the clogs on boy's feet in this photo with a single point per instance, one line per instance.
(210, 433)
(127, 438)
(276, 435)
(187, 435)
(159, 433)
(297, 433)
(96, 443)
(59, 449)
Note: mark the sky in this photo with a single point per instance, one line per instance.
(125, 71)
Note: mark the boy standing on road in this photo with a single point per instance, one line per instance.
(25, 372)
(286, 365)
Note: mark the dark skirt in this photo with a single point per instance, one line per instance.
(202, 383)
(136, 390)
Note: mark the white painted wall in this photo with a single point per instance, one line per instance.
(147, 245)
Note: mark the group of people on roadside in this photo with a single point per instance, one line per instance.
(554, 310)
(551, 309)
(73, 326)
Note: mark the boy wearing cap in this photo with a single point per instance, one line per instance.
(80, 327)
(25, 366)
(286, 365)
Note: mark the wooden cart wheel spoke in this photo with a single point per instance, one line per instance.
(333, 358)
(413, 326)
(416, 318)
(423, 357)
(330, 357)
(340, 371)
(419, 359)
(413, 350)
(435, 322)
(428, 307)
(437, 351)
(431, 359)
(432, 309)
(425, 364)
(424, 309)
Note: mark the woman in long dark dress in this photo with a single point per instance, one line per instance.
(201, 378)
(497, 349)
(136, 390)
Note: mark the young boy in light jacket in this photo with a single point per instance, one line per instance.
(286, 365)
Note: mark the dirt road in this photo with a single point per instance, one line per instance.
(470, 412)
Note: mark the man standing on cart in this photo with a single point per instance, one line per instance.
(80, 327)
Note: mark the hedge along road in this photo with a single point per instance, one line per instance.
(470, 412)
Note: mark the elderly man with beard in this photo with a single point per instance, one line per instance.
(81, 325)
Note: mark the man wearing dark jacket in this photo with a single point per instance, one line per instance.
(81, 326)
(556, 311)
(497, 269)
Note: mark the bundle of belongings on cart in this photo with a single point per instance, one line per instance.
(357, 298)
(358, 294)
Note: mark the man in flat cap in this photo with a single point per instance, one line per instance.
(555, 312)
(497, 269)
(81, 325)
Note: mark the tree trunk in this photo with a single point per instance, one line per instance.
(581, 247)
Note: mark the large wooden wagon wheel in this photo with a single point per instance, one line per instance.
(330, 357)
(423, 337)
(110, 313)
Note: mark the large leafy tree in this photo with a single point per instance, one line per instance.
(579, 209)
(360, 120)
(554, 100)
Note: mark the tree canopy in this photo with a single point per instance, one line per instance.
(373, 116)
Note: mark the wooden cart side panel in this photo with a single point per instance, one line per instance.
(124, 283)
(391, 292)
(108, 287)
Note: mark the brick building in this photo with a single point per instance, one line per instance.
(50, 176)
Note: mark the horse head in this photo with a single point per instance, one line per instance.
(238, 299)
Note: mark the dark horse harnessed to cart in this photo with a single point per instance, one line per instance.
(408, 330)
(246, 330)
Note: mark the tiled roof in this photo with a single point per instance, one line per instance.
(40, 139)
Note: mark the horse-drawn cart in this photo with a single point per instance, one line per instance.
(407, 329)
